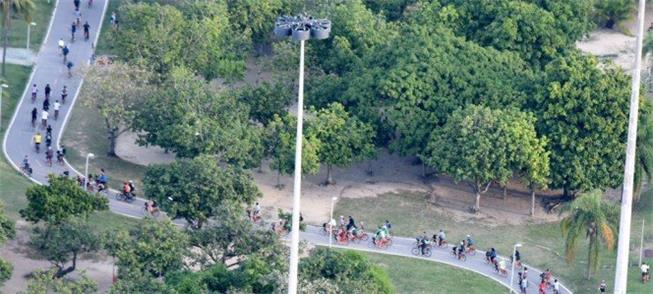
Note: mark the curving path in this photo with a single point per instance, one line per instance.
(50, 69)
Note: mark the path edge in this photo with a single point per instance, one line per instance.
(31, 76)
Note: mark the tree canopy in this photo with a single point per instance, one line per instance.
(583, 111)
(344, 139)
(7, 231)
(189, 117)
(482, 145)
(162, 37)
(154, 249)
(60, 200)
(195, 189)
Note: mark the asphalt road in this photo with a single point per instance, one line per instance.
(50, 69)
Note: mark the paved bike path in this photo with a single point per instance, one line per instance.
(49, 68)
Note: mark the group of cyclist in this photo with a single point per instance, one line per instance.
(39, 139)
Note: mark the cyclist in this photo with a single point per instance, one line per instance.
(126, 190)
(48, 140)
(422, 242)
(60, 153)
(342, 221)
(48, 90)
(461, 250)
(48, 155)
(517, 258)
(469, 243)
(64, 94)
(441, 237)
(379, 235)
(35, 91)
(132, 188)
(44, 118)
(556, 286)
(501, 266)
(48, 130)
(37, 141)
(351, 224)
(35, 113)
(57, 105)
(61, 44)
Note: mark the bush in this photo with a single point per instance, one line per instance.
(608, 13)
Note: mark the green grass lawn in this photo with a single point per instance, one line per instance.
(16, 79)
(543, 244)
(103, 46)
(41, 16)
(420, 276)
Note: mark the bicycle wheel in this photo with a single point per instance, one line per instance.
(364, 237)
(415, 251)
(428, 252)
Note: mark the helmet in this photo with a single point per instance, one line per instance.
(468, 236)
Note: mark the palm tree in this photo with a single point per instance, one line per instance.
(597, 219)
(15, 7)
(644, 153)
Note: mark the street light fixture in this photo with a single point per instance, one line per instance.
(88, 156)
(300, 28)
(512, 271)
(332, 222)
(29, 30)
(2, 86)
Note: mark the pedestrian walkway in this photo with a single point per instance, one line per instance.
(50, 69)
(20, 56)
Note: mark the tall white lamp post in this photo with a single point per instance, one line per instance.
(621, 275)
(88, 156)
(2, 86)
(29, 31)
(331, 222)
(512, 271)
(299, 28)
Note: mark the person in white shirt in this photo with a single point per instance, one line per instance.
(556, 286)
(61, 44)
(645, 272)
(35, 90)
(56, 107)
(44, 118)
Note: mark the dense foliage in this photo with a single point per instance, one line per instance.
(7, 231)
(195, 189)
(62, 199)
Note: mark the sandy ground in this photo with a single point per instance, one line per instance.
(97, 268)
(616, 45)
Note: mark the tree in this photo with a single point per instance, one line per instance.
(116, 90)
(574, 18)
(189, 117)
(280, 142)
(644, 154)
(343, 139)
(265, 100)
(392, 9)
(60, 200)
(511, 25)
(431, 73)
(194, 189)
(140, 283)
(583, 110)
(230, 239)
(7, 231)
(155, 249)
(255, 17)
(589, 215)
(24, 8)
(162, 37)
(63, 242)
(42, 282)
(350, 270)
(482, 146)
(608, 13)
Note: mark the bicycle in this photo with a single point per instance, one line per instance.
(426, 251)
(380, 244)
(153, 212)
(124, 197)
(26, 169)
